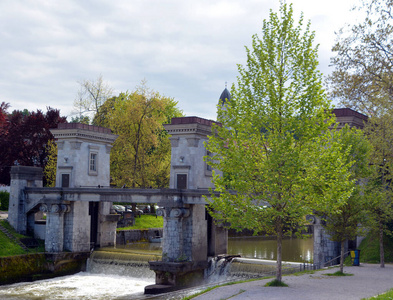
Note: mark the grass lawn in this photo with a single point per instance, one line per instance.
(146, 222)
(369, 249)
(9, 247)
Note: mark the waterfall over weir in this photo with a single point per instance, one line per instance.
(122, 263)
(233, 267)
(124, 273)
(114, 274)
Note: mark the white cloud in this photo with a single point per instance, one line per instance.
(185, 49)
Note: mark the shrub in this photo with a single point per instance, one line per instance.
(4, 200)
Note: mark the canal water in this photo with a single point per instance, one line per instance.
(109, 281)
(293, 249)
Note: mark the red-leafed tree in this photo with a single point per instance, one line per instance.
(3, 116)
(24, 137)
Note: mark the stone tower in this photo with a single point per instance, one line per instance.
(83, 155)
(83, 161)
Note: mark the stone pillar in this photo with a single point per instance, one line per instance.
(107, 225)
(218, 242)
(184, 248)
(21, 177)
(54, 238)
(174, 247)
(324, 248)
(77, 227)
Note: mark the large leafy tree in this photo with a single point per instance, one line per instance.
(379, 131)
(363, 80)
(273, 149)
(141, 154)
(342, 224)
(24, 139)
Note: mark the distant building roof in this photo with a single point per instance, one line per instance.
(83, 126)
(191, 120)
(350, 117)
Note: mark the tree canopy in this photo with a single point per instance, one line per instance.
(24, 138)
(363, 80)
(276, 160)
(343, 223)
(141, 154)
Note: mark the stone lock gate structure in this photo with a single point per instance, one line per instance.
(78, 210)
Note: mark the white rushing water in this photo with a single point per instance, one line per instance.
(83, 285)
(103, 281)
(111, 279)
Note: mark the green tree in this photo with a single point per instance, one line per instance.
(80, 119)
(363, 80)
(273, 148)
(342, 224)
(101, 117)
(141, 154)
(51, 164)
(379, 193)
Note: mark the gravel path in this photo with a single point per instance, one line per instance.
(368, 280)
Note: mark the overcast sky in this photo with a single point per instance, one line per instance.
(184, 49)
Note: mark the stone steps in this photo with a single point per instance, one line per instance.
(13, 238)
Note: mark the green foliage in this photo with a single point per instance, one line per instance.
(51, 164)
(363, 80)
(146, 222)
(8, 247)
(276, 283)
(4, 200)
(274, 158)
(338, 273)
(80, 119)
(370, 249)
(140, 156)
(342, 224)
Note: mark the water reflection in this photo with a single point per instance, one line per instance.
(293, 249)
(296, 250)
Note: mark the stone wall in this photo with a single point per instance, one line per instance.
(124, 237)
(21, 177)
(31, 267)
(324, 249)
(77, 227)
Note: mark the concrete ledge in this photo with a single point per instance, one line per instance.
(177, 267)
(159, 289)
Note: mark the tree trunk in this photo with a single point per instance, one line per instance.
(381, 250)
(342, 257)
(279, 251)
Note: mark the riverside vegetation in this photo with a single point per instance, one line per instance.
(145, 222)
(10, 247)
